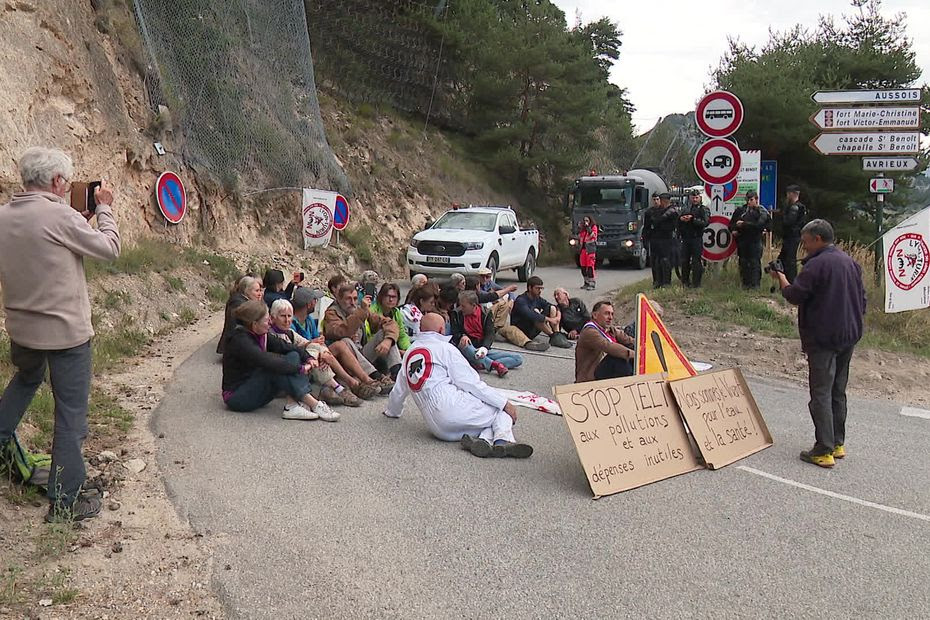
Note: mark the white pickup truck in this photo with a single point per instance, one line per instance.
(465, 240)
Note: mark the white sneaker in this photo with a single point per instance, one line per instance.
(299, 412)
(325, 413)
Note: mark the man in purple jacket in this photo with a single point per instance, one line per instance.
(831, 303)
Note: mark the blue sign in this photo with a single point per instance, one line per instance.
(341, 213)
(768, 184)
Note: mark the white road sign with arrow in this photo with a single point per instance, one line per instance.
(871, 117)
(896, 95)
(867, 143)
(889, 164)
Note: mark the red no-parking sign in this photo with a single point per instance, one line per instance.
(171, 197)
(340, 212)
(717, 161)
(719, 114)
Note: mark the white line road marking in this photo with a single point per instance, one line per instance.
(913, 412)
(845, 498)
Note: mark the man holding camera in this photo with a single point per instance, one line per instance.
(43, 242)
(831, 304)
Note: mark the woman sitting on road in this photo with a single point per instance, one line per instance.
(473, 334)
(324, 375)
(422, 301)
(256, 368)
(274, 286)
(245, 288)
(386, 305)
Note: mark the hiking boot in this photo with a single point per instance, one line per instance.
(329, 396)
(820, 460)
(503, 449)
(499, 368)
(349, 399)
(839, 451)
(560, 340)
(326, 414)
(299, 412)
(365, 391)
(386, 388)
(533, 345)
(84, 507)
(477, 446)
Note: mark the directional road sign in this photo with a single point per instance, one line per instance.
(867, 143)
(881, 186)
(341, 212)
(871, 117)
(768, 184)
(717, 161)
(171, 197)
(898, 95)
(719, 114)
(889, 164)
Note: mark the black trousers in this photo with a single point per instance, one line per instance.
(828, 373)
(750, 264)
(692, 267)
(789, 256)
(662, 253)
(612, 367)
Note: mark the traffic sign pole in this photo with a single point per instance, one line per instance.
(879, 214)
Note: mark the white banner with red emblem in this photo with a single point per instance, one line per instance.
(907, 261)
(317, 210)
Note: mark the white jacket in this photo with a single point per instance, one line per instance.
(450, 395)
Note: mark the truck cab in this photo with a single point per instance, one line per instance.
(617, 204)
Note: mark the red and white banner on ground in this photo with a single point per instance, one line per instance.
(316, 209)
(907, 262)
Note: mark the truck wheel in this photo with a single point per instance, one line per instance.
(642, 261)
(492, 265)
(529, 266)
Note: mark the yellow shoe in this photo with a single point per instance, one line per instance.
(839, 451)
(820, 460)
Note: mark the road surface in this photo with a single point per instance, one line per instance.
(373, 518)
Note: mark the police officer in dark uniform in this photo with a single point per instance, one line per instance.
(659, 223)
(748, 224)
(793, 219)
(692, 221)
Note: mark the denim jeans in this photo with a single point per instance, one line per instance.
(263, 386)
(69, 377)
(828, 375)
(509, 359)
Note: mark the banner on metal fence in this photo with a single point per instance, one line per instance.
(317, 208)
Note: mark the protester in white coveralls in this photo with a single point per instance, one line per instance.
(456, 404)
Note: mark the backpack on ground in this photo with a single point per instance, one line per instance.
(25, 466)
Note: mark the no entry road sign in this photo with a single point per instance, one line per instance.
(717, 161)
(171, 197)
(867, 143)
(895, 95)
(341, 212)
(719, 114)
(869, 117)
(889, 164)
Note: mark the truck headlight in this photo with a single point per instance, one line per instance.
(473, 245)
(414, 243)
(627, 244)
(572, 242)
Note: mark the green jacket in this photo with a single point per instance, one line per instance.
(403, 340)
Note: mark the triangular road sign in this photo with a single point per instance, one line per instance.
(656, 350)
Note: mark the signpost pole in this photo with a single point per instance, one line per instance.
(879, 213)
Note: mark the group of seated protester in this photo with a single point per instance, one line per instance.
(346, 344)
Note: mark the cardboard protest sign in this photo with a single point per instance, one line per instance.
(627, 432)
(722, 415)
(656, 350)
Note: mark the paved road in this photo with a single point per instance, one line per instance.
(372, 518)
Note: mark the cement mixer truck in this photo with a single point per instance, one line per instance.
(617, 203)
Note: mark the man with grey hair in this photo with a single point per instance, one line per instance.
(831, 304)
(43, 242)
(574, 313)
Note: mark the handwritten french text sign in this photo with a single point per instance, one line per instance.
(723, 416)
(628, 432)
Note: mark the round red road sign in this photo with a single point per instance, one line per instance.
(341, 213)
(718, 240)
(418, 367)
(171, 197)
(719, 114)
(717, 161)
(729, 190)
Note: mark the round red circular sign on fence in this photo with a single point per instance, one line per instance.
(717, 161)
(719, 114)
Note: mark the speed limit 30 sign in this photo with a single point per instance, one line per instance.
(718, 241)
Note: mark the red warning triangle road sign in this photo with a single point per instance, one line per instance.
(656, 350)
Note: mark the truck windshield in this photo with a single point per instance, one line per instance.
(603, 197)
(461, 220)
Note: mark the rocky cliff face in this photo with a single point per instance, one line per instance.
(68, 79)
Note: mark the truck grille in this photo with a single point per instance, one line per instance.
(440, 248)
(614, 231)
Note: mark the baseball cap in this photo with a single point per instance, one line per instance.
(303, 296)
(665, 195)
